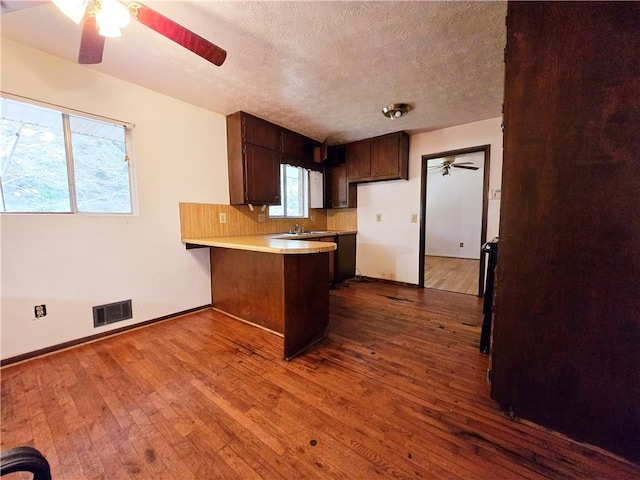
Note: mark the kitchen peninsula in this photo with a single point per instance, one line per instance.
(275, 283)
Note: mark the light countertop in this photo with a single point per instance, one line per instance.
(282, 243)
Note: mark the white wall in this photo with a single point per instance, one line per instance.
(72, 262)
(454, 209)
(389, 249)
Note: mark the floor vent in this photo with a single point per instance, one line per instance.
(111, 313)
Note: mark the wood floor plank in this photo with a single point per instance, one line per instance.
(452, 274)
(397, 390)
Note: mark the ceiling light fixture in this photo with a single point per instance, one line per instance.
(111, 15)
(396, 110)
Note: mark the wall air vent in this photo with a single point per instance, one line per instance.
(111, 313)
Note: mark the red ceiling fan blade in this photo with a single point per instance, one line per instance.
(91, 43)
(178, 33)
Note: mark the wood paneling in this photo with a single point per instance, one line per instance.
(286, 294)
(398, 390)
(249, 285)
(306, 295)
(203, 220)
(345, 219)
(566, 342)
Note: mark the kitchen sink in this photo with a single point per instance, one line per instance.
(306, 234)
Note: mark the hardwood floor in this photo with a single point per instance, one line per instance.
(397, 390)
(451, 274)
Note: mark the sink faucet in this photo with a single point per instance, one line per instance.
(297, 229)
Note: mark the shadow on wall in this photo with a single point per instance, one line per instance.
(387, 259)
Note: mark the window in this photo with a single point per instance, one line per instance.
(294, 192)
(54, 162)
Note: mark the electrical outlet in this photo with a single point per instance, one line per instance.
(40, 311)
(223, 217)
(414, 218)
(461, 244)
(378, 217)
(261, 217)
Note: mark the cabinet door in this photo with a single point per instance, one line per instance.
(345, 259)
(343, 193)
(384, 156)
(262, 175)
(260, 132)
(292, 144)
(359, 160)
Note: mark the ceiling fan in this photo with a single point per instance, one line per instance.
(449, 162)
(105, 18)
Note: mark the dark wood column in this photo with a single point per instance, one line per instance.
(566, 340)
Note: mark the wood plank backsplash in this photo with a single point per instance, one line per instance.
(203, 220)
(342, 219)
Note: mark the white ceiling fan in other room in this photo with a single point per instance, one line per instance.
(447, 163)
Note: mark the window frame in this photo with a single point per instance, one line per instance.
(65, 113)
(283, 189)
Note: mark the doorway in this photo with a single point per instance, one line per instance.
(453, 219)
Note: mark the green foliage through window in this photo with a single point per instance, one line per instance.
(53, 162)
(294, 192)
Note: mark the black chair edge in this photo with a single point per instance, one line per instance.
(25, 459)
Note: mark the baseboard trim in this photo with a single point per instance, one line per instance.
(92, 338)
(390, 282)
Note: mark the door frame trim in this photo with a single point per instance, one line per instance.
(485, 204)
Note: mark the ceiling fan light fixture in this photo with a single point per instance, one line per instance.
(396, 110)
(111, 17)
(74, 9)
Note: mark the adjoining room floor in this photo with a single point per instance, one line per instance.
(397, 390)
(451, 274)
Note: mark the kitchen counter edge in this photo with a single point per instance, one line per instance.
(280, 243)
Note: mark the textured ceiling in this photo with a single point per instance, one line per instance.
(324, 69)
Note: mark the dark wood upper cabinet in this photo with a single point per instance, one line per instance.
(343, 194)
(260, 132)
(380, 158)
(256, 148)
(390, 156)
(297, 149)
(253, 148)
(292, 144)
(262, 179)
(359, 160)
